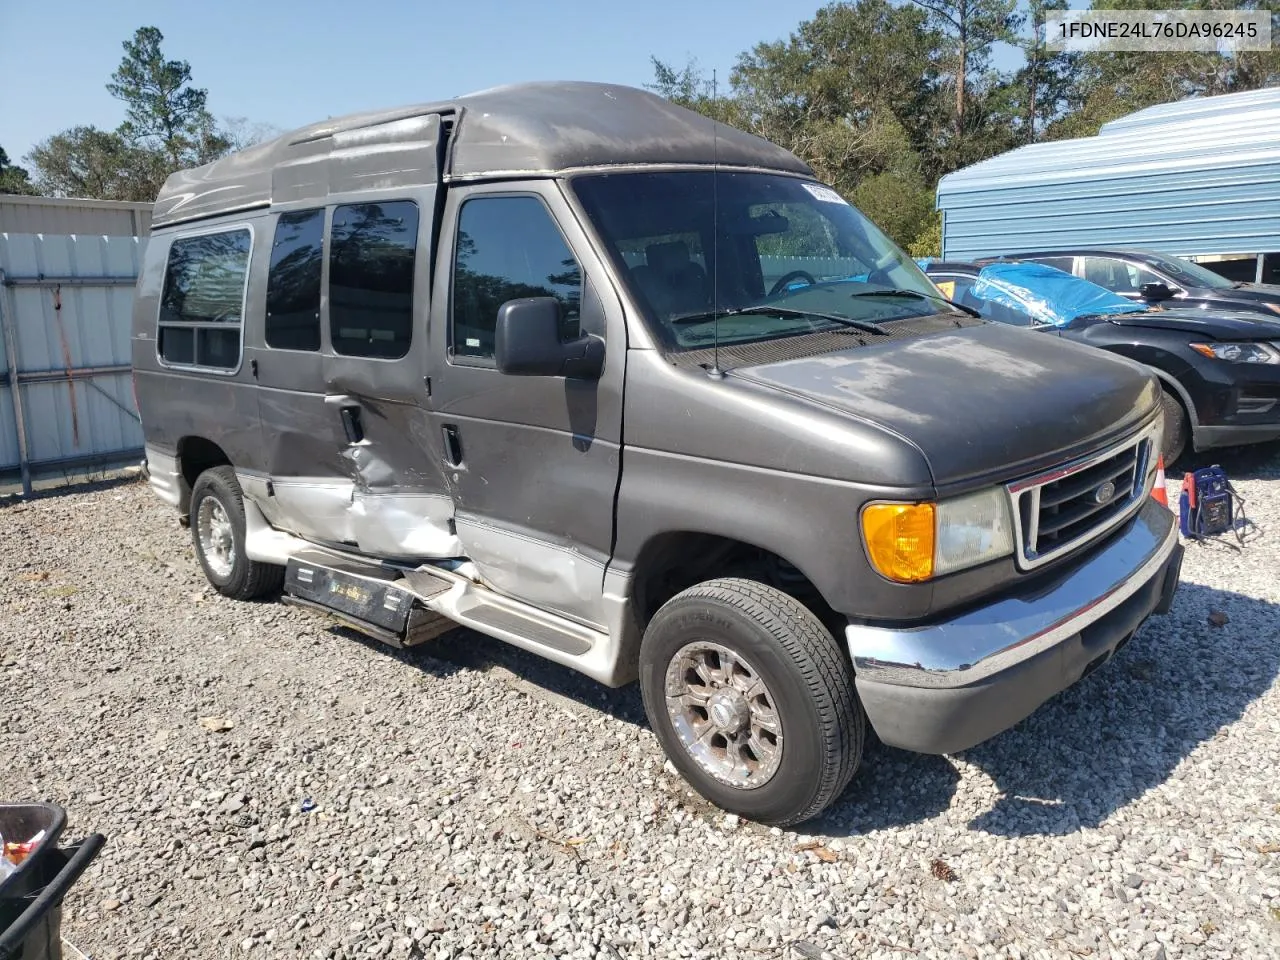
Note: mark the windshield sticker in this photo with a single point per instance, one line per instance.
(824, 193)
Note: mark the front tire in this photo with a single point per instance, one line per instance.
(752, 699)
(218, 532)
(1175, 427)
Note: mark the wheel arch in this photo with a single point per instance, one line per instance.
(674, 560)
(195, 455)
(1179, 391)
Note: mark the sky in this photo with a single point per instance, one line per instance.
(292, 62)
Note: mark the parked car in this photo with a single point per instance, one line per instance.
(447, 365)
(1220, 369)
(1155, 278)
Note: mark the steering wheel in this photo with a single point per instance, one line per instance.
(785, 280)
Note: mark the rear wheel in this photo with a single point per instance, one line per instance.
(218, 531)
(1176, 427)
(752, 700)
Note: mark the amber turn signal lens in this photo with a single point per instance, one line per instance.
(899, 538)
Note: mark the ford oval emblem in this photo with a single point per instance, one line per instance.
(1104, 493)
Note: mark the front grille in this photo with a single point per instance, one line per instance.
(1068, 506)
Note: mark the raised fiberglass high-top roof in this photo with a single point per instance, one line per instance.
(519, 130)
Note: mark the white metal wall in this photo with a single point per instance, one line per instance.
(111, 218)
(66, 399)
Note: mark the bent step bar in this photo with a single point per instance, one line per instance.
(403, 606)
(366, 597)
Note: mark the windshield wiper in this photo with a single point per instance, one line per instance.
(762, 309)
(915, 295)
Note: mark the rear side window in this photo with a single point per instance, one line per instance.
(1061, 263)
(508, 248)
(293, 283)
(202, 306)
(371, 261)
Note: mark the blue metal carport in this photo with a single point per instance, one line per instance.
(1199, 178)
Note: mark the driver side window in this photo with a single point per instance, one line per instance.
(508, 248)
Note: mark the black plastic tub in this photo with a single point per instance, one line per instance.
(31, 897)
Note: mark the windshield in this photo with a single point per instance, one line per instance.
(1188, 273)
(786, 256)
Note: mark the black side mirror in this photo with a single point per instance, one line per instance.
(1155, 291)
(527, 343)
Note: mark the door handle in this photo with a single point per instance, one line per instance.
(452, 445)
(349, 411)
(352, 425)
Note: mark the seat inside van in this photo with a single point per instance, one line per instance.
(671, 281)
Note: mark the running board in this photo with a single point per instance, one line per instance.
(475, 605)
(366, 597)
(402, 607)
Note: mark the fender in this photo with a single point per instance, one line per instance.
(1192, 417)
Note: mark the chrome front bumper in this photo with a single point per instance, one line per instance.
(946, 686)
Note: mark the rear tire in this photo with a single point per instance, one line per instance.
(218, 532)
(752, 699)
(1176, 427)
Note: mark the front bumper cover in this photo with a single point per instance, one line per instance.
(947, 686)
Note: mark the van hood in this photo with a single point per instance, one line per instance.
(986, 401)
(1219, 324)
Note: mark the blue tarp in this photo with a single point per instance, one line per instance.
(1047, 293)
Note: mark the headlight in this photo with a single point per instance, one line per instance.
(1274, 307)
(1239, 352)
(911, 542)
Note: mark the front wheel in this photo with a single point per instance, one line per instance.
(1175, 427)
(752, 700)
(218, 531)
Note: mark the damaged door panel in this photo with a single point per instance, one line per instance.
(310, 487)
(531, 462)
(375, 392)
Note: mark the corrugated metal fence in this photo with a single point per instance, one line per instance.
(66, 401)
(48, 215)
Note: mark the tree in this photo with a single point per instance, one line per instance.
(973, 27)
(167, 127)
(13, 178)
(163, 111)
(241, 132)
(849, 65)
(851, 92)
(1045, 83)
(899, 204)
(690, 87)
(90, 162)
(1110, 85)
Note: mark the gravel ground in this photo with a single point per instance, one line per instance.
(470, 801)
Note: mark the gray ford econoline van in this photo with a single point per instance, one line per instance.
(586, 372)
